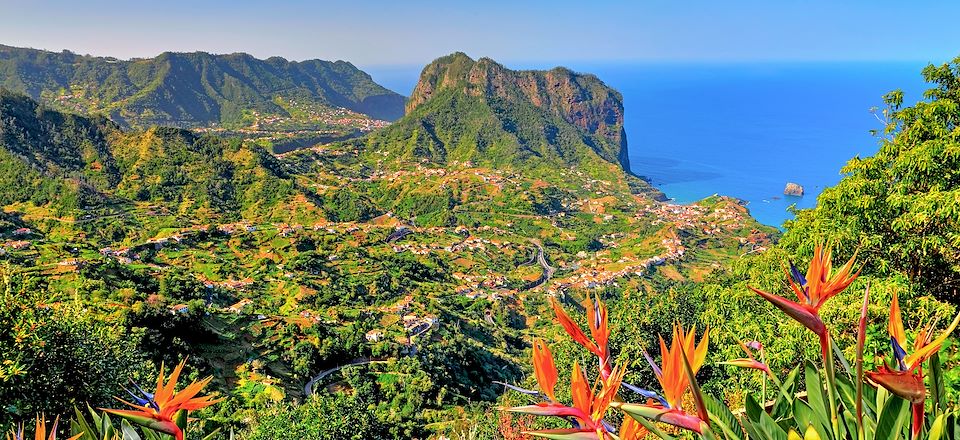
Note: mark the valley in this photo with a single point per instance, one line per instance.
(406, 249)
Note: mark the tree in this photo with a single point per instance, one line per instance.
(53, 356)
(902, 206)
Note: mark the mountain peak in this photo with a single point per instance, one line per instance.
(553, 114)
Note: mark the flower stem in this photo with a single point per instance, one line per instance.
(831, 380)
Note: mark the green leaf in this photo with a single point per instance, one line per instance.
(843, 359)
(804, 417)
(769, 429)
(180, 418)
(721, 417)
(816, 399)
(129, 433)
(937, 428)
(895, 413)
(783, 404)
(79, 425)
(938, 394)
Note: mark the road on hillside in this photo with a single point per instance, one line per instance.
(548, 270)
(308, 388)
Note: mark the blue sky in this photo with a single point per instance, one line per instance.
(372, 33)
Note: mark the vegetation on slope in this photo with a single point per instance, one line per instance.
(191, 89)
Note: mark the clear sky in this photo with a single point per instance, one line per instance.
(411, 32)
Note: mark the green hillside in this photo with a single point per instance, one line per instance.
(70, 163)
(193, 89)
(481, 112)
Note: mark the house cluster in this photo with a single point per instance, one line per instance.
(288, 230)
(19, 243)
(688, 217)
(725, 217)
(374, 335)
(420, 170)
(239, 307)
(235, 228)
(124, 255)
(595, 276)
(16, 245)
(228, 284)
(317, 115)
(674, 249)
(71, 262)
(473, 293)
(316, 317)
(414, 324)
(471, 243)
(400, 306)
(412, 247)
(470, 283)
(757, 241)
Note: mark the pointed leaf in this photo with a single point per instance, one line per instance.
(129, 433)
(938, 392)
(722, 418)
(896, 413)
(768, 427)
(815, 397)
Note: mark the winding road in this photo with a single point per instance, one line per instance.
(308, 388)
(548, 270)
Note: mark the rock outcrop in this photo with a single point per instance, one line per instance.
(550, 115)
(793, 189)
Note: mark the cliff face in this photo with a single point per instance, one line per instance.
(581, 100)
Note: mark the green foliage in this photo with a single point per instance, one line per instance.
(902, 205)
(373, 410)
(347, 205)
(73, 163)
(190, 89)
(54, 356)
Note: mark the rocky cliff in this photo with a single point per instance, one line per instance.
(481, 112)
(578, 99)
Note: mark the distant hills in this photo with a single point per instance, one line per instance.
(190, 90)
(482, 112)
(72, 162)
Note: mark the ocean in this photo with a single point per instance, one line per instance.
(740, 130)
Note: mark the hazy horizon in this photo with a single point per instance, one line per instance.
(389, 34)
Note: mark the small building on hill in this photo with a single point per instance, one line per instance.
(374, 335)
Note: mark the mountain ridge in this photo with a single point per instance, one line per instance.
(191, 89)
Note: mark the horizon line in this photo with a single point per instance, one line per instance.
(528, 61)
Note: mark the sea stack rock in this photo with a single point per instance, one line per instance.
(793, 189)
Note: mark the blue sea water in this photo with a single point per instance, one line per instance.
(741, 130)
